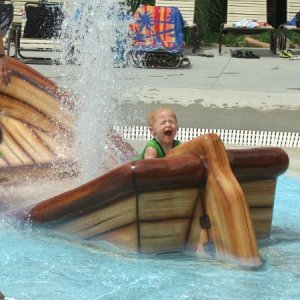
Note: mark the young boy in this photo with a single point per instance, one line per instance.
(163, 126)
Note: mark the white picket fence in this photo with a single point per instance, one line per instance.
(228, 136)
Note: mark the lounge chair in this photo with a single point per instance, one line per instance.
(19, 11)
(157, 37)
(247, 17)
(18, 15)
(187, 9)
(6, 17)
(293, 7)
(39, 31)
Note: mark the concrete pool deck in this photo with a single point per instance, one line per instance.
(216, 92)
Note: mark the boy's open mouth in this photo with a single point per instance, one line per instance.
(168, 132)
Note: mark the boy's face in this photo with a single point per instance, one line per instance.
(164, 127)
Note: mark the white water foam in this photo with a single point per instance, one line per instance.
(90, 34)
(94, 35)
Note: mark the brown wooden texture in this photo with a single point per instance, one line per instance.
(256, 170)
(27, 143)
(258, 163)
(162, 236)
(155, 205)
(164, 219)
(180, 172)
(198, 236)
(129, 179)
(21, 111)
(167, 204)
(126, 237)
(111, 217)
(120, 150)
(231, 231)
(260, 196)
(36, 122)
(14, 175)
(36, 78)
(262, 220)
(259, 193)
(24, 91)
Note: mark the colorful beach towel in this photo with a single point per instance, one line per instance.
(157, 28)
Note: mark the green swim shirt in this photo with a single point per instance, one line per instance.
(159, 149)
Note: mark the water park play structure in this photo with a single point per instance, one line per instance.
(200, 198)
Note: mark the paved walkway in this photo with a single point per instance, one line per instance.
(216, 92)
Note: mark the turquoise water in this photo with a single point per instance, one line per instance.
(40, 264)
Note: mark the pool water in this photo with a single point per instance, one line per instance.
(37, 263)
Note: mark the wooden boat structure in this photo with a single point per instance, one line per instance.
(200, 198)
(36, 124)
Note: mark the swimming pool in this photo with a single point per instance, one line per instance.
(40, 264)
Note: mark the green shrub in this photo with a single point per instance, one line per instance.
(294, 37)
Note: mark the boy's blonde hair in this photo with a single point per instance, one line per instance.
(152, 115)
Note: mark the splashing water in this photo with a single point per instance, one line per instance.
(40, 264)
(92, 34)
(94, 39)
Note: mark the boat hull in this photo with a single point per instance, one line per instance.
(175, 203)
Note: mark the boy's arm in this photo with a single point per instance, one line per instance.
(150, 152)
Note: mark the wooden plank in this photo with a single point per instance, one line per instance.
(28, 142)
(259, 193)
(167, 204)
(31, 138)
(102, 220)
(262, 221)
(174, 173)
(22, 111)
(197, 235)
(231, 232)
(125, 238)
(163, 236)
(36, 97)
(13, 154)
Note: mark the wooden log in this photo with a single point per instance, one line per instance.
(28, 115)
(258, 163)
(24, 91)
(37, 124)
(37, 79)
(129, 179)
(231, 231)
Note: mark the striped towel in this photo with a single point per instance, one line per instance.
(157, 28)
